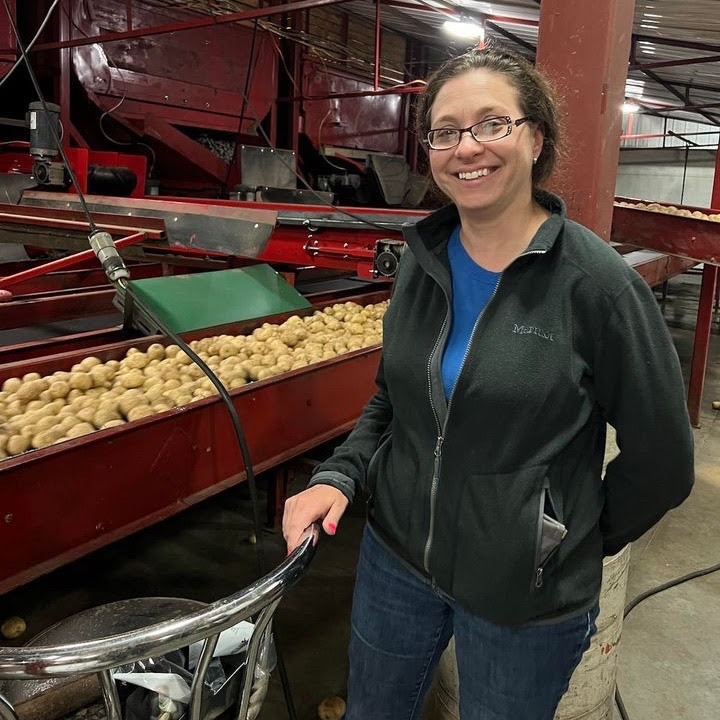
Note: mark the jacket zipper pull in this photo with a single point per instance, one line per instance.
(438, 446)
(539, 577)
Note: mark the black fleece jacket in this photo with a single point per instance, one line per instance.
(571, 340)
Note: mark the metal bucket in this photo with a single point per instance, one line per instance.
(592, 687)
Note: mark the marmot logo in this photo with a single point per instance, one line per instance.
(532, 330)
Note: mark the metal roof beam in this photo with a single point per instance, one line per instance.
(672, 89)
(511, 36)
(674, 42)
(674, 63)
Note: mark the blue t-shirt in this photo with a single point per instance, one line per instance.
(472, 287)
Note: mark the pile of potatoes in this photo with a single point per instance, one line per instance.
(38, 411)
(671, 210)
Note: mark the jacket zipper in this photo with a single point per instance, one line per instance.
(441, 430)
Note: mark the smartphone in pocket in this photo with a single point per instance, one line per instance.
(553, 533)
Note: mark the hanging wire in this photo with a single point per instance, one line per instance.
(30, 45)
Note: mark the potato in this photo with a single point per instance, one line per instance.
(89, 362)
(236, 382)
(103, 416)
(13, 627)
(29, 391)
(227, 350)
(31, 376)
(87, 414)
(156, 351)
(139, 411)
(80, 402)
(172, 383)
(15, 407)
(43, 439)
(12, 385)
(59, 389)
(66, 422)
(183, 358)
(153, 393)
(82, 428)
(80, 381)
(171, 351)
(112, 424)
(136, 361)
(132, 379)
(45, 423)
(129, 400)
(17, 444)
(101, 376)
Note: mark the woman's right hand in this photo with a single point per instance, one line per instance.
(320, 502)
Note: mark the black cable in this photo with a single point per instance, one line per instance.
(53, 131)
(649, 593)
(225, 396)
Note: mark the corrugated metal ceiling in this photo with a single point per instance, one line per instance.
(665, 31)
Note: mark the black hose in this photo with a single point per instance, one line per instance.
(644, 596)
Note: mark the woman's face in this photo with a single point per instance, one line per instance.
(483, 177)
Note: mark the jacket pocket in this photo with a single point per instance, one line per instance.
(551, 531)
(371, 474)
(497, 542)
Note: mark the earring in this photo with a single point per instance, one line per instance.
(535, 161)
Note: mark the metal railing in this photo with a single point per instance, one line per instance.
(101, 655)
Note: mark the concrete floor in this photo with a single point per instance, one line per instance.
(669, 656)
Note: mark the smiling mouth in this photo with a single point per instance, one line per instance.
(475, 174)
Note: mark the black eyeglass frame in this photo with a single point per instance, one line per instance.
(510, 124)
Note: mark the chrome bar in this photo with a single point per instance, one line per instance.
(105, 653)
(198, 682)
(258, 635)
(110, 695)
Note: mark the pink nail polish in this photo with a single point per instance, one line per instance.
(332, 527)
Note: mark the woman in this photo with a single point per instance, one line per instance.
(512, 337)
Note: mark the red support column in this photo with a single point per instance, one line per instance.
(701, 343)
(703, 324)
(583, 46)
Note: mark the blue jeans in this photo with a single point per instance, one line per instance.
(401, 625)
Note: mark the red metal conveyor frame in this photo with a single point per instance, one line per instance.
(61, 502)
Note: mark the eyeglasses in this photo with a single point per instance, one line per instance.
(494, 128)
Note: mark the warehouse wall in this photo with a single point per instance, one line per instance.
(658, 175)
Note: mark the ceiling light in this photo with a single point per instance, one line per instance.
(630, 107)
(467, 29)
